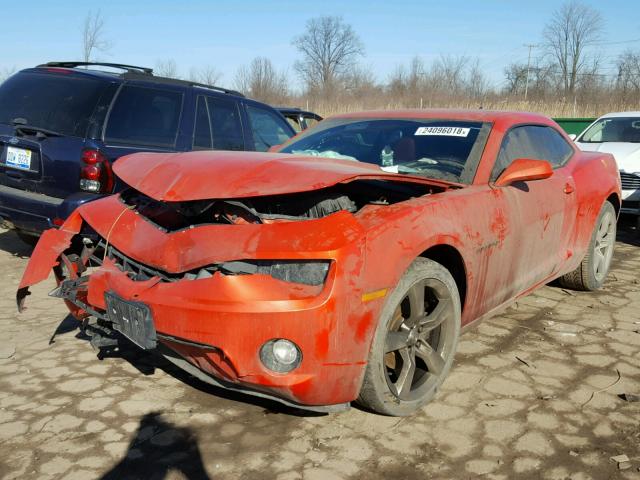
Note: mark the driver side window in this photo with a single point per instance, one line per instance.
(532, 141)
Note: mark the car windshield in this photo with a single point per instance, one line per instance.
(61, 103)
(442, 149)
(617, 129)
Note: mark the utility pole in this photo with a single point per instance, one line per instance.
(526, 84)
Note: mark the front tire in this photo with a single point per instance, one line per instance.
(415, 342)
(593, 269)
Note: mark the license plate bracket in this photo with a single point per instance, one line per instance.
(132, 319)
(19, 158)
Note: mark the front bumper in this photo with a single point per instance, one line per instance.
(218, 324)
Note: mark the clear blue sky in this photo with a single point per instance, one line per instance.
(227, 34)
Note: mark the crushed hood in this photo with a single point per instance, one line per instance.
(220, 174)
(627, 155)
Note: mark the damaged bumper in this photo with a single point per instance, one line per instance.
(214, 327)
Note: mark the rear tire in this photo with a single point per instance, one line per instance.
(415, 342)
(593, 269)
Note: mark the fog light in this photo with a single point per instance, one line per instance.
(280, 355)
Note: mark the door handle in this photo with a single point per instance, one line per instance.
(568, 188)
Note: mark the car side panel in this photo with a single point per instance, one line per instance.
(479, 222)
(596, 178)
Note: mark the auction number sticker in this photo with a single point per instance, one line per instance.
(444, 131)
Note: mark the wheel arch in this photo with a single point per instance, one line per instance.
(451, 259)
(614, 200)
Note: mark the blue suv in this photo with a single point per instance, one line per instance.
(63, 124)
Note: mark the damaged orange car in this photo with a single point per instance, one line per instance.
(342, 266)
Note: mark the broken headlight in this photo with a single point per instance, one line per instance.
(310, 272)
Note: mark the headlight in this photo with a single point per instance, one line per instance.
(311, 272)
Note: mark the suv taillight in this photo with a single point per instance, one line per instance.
(95, 174)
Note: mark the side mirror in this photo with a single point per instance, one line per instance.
(274, 148)
(524, 170)
(573, 136)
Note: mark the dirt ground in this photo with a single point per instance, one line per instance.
(534, 393)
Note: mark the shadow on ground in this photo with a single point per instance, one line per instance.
(157, 448)
(146, 362)
(629, 230)
(11, 243)
(68, 324)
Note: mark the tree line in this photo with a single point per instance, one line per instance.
(567, 66)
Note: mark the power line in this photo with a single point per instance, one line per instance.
(617, 43)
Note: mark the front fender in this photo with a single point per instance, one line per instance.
(51, 245)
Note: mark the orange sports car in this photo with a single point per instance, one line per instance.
(342, 265)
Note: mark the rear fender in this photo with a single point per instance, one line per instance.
(45, 256)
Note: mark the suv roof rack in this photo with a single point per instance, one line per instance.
(127, 68)
(177, 81)
(141, 73)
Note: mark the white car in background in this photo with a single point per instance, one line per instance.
(618, 134)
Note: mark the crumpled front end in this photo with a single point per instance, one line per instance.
(216, 293)
(47, 255)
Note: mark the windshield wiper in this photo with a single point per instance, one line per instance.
(21, 127)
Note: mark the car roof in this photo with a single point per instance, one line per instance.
(128, 72)
(453, 114)
(620, 114)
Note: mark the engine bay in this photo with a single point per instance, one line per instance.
(350, 197)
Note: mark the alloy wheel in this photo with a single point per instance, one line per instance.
(420, 339)
(604, 244)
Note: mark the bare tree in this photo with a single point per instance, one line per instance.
(167, 68)
(627, 80)
(408, 80)
(93, 36)
(573, 29)
(543, 79)
(261, 80)
(449, 72)
(360, 83)
(330, 49)
(208, 75)
(515, 77)
(477, 84)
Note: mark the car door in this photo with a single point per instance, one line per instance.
(225, 122)
(541, 213)
(145, 118)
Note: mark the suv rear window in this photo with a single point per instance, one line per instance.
(59, 102)
(144, 116)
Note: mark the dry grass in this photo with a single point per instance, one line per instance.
(549, 108)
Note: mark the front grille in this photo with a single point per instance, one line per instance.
(136, 270)
(630, 181)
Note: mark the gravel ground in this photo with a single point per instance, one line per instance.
(534, 394)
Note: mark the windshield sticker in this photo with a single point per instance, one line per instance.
(443, 131)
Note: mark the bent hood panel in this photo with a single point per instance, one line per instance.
(210, 174)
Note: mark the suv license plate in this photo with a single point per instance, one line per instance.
(132, 319)
(18, 158)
